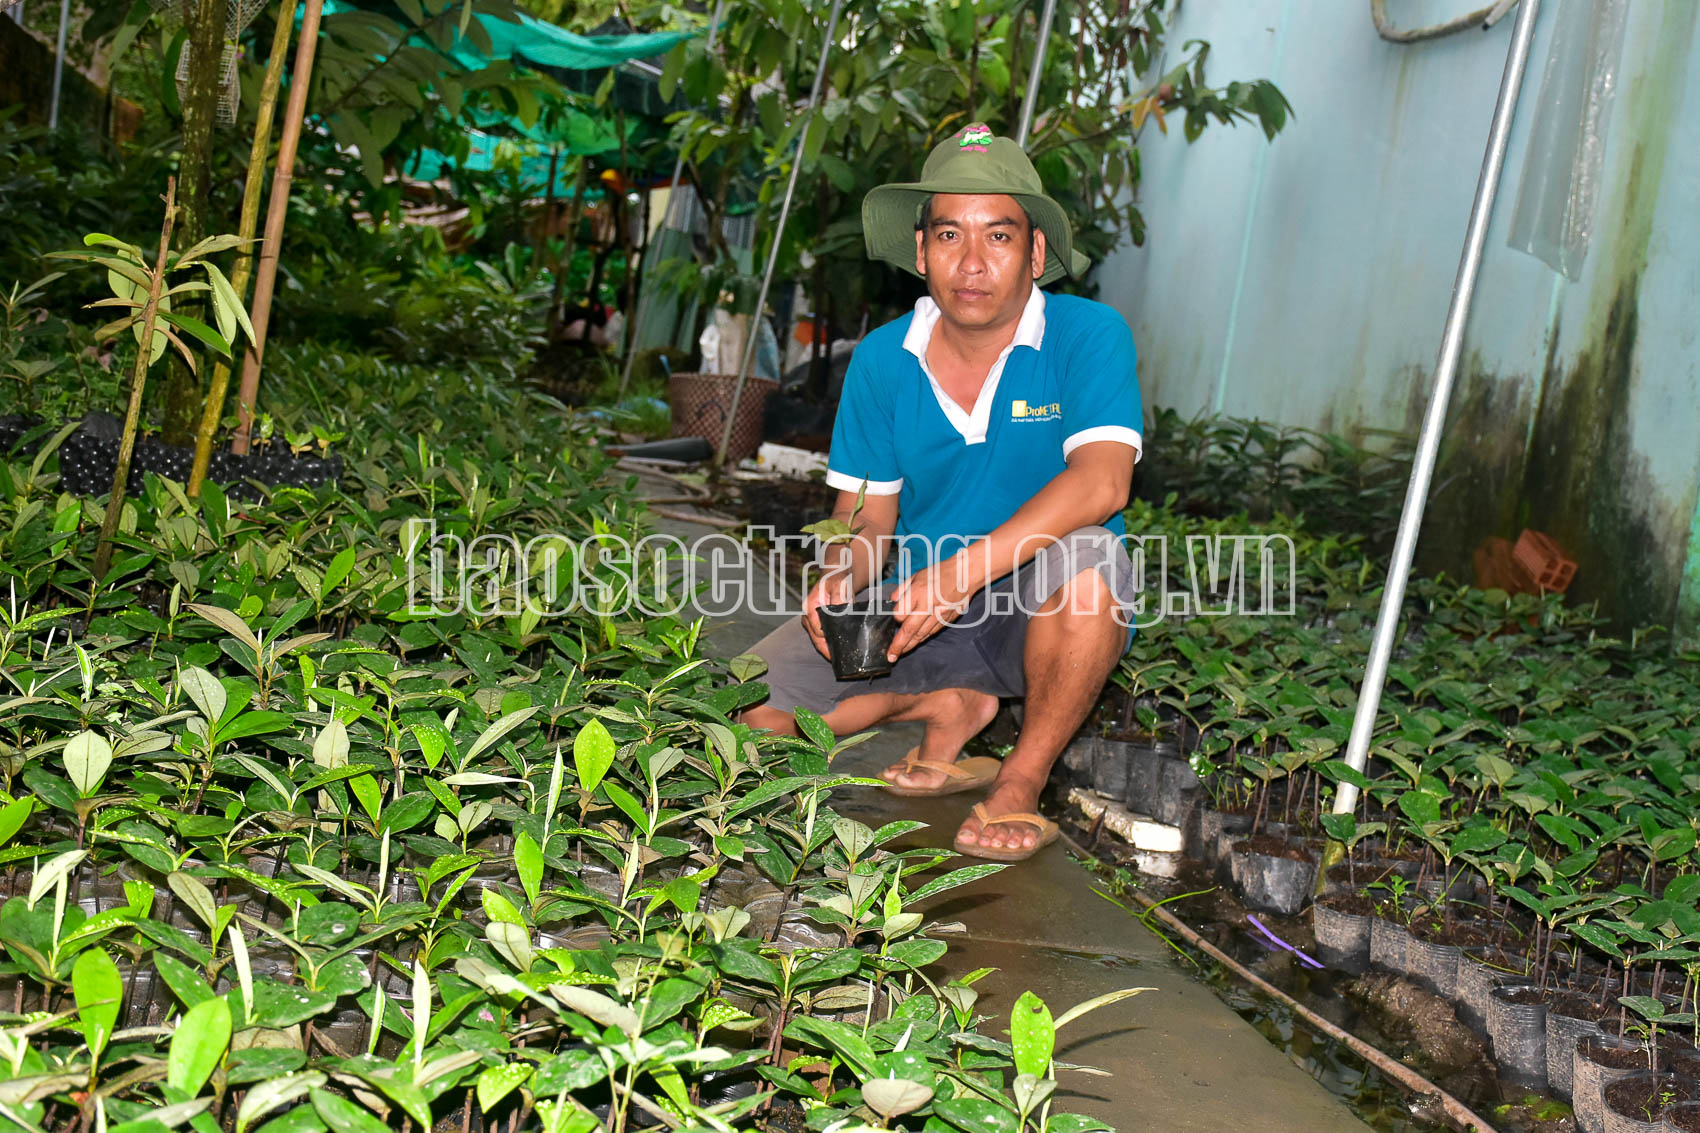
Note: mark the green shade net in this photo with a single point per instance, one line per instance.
(534, 43)
(537, 44)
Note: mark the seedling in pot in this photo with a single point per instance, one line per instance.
(857, 635)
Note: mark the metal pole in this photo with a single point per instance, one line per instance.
(1045, 18)
(58, 65)
(644, 303)
(1445, 368)
(754, 334)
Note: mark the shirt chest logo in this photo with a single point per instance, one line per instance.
(1022, 411)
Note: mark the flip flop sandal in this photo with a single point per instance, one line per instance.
(959, 774)
(1046, 828)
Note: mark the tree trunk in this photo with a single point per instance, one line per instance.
(205, 49)
(569, 244)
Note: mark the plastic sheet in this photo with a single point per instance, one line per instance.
(1554, 216)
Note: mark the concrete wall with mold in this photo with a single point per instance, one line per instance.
(1306, 281)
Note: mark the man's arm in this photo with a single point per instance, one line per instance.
(1092, 488)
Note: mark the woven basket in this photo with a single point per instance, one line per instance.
(701, 402)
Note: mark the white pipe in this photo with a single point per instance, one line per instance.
(644, 304)
(58, 65)
(1445, 369)
(1034, 74)
(754, 334)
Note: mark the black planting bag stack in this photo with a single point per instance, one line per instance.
(89, 457)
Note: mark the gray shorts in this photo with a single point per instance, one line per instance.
(982, 650)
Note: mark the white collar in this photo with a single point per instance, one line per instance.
(1029, 332)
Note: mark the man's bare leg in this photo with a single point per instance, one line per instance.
(1072, 646)
(953, 716)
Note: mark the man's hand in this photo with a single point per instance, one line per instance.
(835, 587)
(930, 600)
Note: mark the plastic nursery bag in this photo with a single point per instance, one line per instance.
(1554, 217)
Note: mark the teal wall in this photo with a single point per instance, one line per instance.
(1306, 281)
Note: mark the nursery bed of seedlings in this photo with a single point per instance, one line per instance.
(280, 855)
(1524, 846)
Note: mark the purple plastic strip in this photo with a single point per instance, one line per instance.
(1260, 927)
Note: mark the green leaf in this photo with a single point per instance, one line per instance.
(528, 862)
(494, 733)
(816, 729)
(197, 1045)
(87, 757)
(204, 690)
(1096, 1002)
(593, 754)
(274, 1092)
(228, 307)
(99, 991)
(184, 981)
(977, 1115)
(343, 1116)
(1033, 1035)
(207, 336)
(497, 1082)
(13, 816)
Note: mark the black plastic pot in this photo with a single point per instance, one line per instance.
(1479, 972)
(1517, 1024)
(1144, 777)
(857, 637)
(1273, 883)
(1635, 1103)
(1433, 965)
(1217, 830)
(1112, 767)
(1342, 939)
(1600, 1060)
(1569, 1018)
(1180, 798)
(1387, 943)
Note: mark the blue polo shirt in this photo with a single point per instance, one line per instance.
(1067, 379)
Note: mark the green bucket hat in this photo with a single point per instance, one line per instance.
(970, 161)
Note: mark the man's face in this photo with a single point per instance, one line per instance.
(980, 256)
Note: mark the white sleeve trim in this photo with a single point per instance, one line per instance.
(847, 483)
(1118, 433)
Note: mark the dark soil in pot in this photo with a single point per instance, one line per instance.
(1683, 1117)
(1273, 876)
(1636, 1103)
(1600, 1060)
(1342, 925)
(1517, 1024)
(1569, 1017)
(857, 637)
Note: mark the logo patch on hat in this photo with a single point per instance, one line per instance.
(975, 137)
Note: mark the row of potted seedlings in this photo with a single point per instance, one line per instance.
(1523, 844)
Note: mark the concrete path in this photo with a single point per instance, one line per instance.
(1180, 1059)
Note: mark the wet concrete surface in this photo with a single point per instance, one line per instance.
(1178, 1057)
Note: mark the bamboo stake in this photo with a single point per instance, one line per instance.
(244, 269)
(277, 210)
(138, 381)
